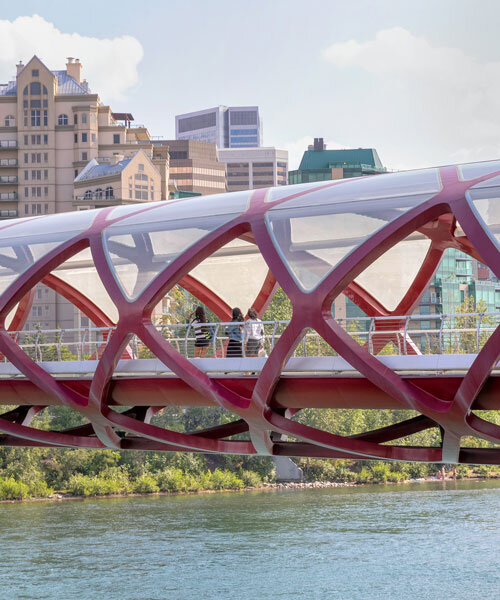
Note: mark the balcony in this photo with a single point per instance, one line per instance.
(5, 197)
(4, 144)
(6, 163)
(8, 180)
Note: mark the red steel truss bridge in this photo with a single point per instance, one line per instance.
(374, 240)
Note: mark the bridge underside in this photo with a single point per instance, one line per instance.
(139, 397)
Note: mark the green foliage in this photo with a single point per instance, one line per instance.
(250, 478)
(10, 489)
(145, 484)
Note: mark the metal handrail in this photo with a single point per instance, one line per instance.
(447, 337)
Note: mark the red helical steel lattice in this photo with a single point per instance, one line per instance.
(266, 403)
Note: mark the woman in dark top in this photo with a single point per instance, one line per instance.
(234, 332)
(201, 332)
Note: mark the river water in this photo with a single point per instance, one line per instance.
(414, 541)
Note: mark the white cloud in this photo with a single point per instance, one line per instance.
(296, 149)
(109, 65)
(438, 104)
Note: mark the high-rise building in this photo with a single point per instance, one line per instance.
(252, 168)
(51, 127)
(193, 166)
(320, 164)
(226, 127)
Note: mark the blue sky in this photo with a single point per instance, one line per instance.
(417, 81)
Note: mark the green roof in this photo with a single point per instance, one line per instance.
(326, 159)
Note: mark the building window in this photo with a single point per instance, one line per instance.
(25, 91)
(109, 192)
(26, 209)
(84, 156)
(116, 138)
(75, 119)
(141, 167)
(45, 118)
(25, 104)
(46, 210)
(84, 117)
(84, 137)
(26, 142)
(35, 118)
(76, 173)
(88, 195)
(26, 157)
(35, 73)
(45, 191)
(45, 157)
(93, 137)
(62, 120)
(76, 138)
(98, 193)
(35, 88)
(44, 91)
(36, 175)
(10, 121)
(26, 192)
(25, 175)
(45, 173)
(46, 139)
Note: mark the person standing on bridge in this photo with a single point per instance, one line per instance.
(201, 332)
(234, 332)
(253, 334)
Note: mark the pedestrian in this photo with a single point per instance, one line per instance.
(253, 334)
(201, 332)
(234, 332)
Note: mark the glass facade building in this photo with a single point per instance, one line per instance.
(225, 126)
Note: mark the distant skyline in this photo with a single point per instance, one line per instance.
(420, 83)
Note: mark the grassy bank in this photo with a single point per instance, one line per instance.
(196, 476)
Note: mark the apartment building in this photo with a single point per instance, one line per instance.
(51, 127)
(193, 166)
(224, 126)
(252, 168)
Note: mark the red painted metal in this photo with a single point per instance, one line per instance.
(264, 404)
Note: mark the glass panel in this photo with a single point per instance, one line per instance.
(473, 170)
(162, 234)
(391, 275)
(486, 204)
(30, 239)
(278, 193)
(80, 272)
(235, 273)
(313, 238)
(391, 185)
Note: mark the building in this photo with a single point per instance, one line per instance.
(117, 181)
(320, 164)
(193, 166)
(51, 127)
(226, 127)
(252, 168)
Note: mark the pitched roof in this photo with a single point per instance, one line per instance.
(95, 169)
(65, 85)
(326, 159)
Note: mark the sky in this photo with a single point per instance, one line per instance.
(418, 81)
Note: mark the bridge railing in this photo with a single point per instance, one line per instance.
(459, 333)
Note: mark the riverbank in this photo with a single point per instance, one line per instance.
(289, 485)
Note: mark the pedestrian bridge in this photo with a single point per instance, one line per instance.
(376, 240)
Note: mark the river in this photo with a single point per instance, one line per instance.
(416, 541)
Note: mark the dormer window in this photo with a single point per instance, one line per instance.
(35, 73)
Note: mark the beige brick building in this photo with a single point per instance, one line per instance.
(51, 127)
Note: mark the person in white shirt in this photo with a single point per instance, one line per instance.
(253, 334)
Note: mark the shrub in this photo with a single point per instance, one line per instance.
(145, 484)
(112, 481)
(250, 478)
(171, 480)
(10, 489)
(381, 472)
(38, 488)
(225, 480)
